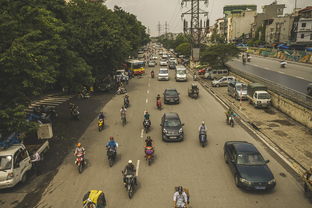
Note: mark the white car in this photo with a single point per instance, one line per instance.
(173, 60)
(163, 74)
(151, 63)
(154, 58)
(163, 63)
(224, 81)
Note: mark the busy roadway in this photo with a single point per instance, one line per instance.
(200, 169)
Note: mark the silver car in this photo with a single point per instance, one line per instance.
(237, 90)
(223, 81)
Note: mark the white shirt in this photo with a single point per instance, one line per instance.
(180, 198)
(36, 157)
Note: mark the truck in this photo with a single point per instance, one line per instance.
(15, 162)
(258, 96)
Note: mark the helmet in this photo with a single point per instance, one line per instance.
(130, 162)
(148, 137)
(203, 122)
(180, 189)
(78, 145)
(111, 138)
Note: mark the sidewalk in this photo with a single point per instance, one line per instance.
(277, 59)
(288, 137)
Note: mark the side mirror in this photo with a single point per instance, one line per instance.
(182, 124)
(267, 161)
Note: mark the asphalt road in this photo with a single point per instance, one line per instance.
(294, 76)
(202, 170)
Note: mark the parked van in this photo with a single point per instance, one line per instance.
(222, 81)
(181, 73)
(237, 90)
(216, 73)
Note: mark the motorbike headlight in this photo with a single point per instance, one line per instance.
(180, 131)
(243, 180)
(271, 181)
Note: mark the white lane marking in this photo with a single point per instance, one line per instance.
(137, 169)
(281, 72)
(146, 100)
(147, 91)
(149, 84)
(142, 132)
(299, 77)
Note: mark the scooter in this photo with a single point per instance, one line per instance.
(80, 162)
(202, 138)
(158, 104)
(75, 114)
(149, 155)
(111, 156)
(147, 125)
(283, 64)
(101, 124)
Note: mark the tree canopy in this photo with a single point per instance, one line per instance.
(53, 45)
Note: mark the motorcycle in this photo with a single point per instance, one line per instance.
(111, 156)
(121, 90)
(80, 162)
(244, 61)
(248, 59)
(130, 184)
(195, 78)
(283, 64)
(149, 155)
(84, 95)
(186, 205)
(147, 125)
(101, 124)
(230, 120)
(152, 74)
(123, 119)
(202, 137)
(158, 104)
(75, 114)
(126, 103)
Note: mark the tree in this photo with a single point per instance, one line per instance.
(218, 55)
(184, 49)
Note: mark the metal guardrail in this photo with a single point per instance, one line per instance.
(293, 95)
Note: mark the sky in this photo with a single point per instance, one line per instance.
(153, 12)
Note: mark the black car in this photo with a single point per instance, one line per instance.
(309, 89)
(171, 96)
(171, 127)
(248, 166)
(172, 65)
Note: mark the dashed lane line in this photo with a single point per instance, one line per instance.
(137, 169)
(146, 100)
(142, 132)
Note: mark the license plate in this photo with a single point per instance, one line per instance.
(260, 187)
(173, 137)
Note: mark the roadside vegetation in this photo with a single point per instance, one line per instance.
(52, 45)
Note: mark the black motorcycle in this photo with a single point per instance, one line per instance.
(126, 103)
(75, 114)
(111, 156)
(130, 184)
(202, 137)
(147, 125)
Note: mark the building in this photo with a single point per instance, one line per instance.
(239, 25)
(279, 31)
(234, 9)
(261, 20)
(304, 27)
(219, 26)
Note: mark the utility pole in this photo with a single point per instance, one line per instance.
(159, 29)
(198, 28)
(166, 29)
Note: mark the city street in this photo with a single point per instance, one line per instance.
(294, 76)
(202, 170)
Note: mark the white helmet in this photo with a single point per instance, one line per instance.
(130, 161)
(203, 122)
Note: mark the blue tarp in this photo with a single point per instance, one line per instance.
(282, 46)
(12, 139)
(308, 49)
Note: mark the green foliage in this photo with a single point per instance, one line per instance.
(52, 45)
(184, 49)
(173, 43)
(218, 55)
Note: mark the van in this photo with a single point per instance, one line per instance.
(216, 73)
(237, 90)
(180, 73)
(163, 74)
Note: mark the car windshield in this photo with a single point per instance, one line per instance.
(5, 162)
(163, 71)
(250, 159)
(171, 93)
(180, 72)
(172, 123)
(264, 96)
(241, 87)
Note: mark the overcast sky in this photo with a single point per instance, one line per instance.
(150, 12)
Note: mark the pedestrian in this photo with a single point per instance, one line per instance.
(36, 158)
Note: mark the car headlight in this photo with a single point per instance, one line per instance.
(180, 131)
(165, 131)
(271, 181)
(243, 180)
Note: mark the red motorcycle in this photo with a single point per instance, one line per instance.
(158, 104)
(149, 155)
(80, 162)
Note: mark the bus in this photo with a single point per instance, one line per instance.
(136, 66)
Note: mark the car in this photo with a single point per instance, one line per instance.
(309, 89)
(151, 63)
(171, 65)
(173, 60)
(171, 96)
(154, 58)
(250, 170)
(201, 71)
(237, 90)
(163, 74)
(171, 127)
(223, 81)
(163, 62)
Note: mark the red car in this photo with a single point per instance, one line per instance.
(201, 71)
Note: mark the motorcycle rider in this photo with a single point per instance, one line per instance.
(129, 170)
(194, 88)
(79, 151)
(180, 198)
(152, 73)
(158, 97)
(146, 118)
(148, 142)
(123, 112)
(202, 126)
(112, 144)
(101, 116)
(126, 100)
(229, 113)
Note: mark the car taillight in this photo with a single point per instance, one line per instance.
(10, 176)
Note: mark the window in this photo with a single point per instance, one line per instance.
(302, 36)
(303, 24)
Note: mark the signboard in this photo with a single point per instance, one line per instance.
(195, 53)
(45, 131)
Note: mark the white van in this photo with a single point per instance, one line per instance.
(163, 74)
(180, 73)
